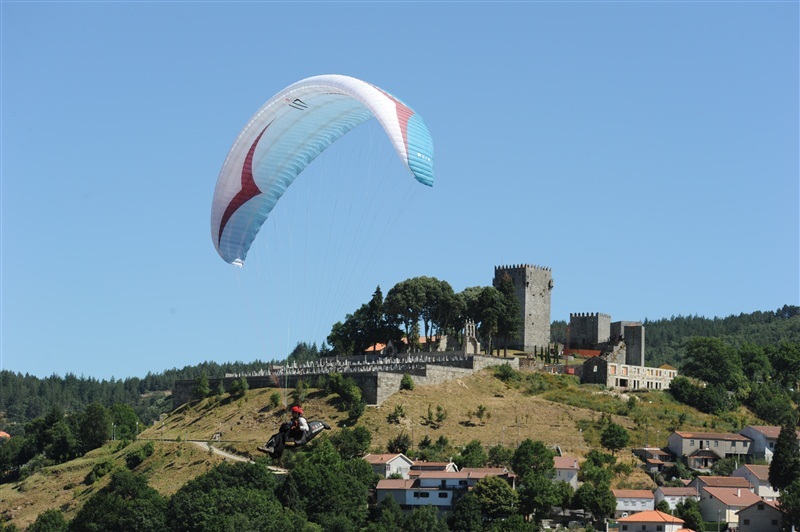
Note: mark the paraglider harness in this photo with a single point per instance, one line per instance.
(291, 434)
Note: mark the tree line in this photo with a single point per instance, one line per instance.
(426, 308)
(766, 379)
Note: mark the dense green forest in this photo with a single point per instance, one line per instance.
(666, 339)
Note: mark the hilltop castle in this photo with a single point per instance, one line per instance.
(533, 285)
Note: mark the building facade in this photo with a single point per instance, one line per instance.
(701, 450)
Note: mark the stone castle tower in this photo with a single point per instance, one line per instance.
(533, 285)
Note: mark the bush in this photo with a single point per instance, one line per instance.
(506, 373)
(397, 415)
(399, 444)
(407, 383)
(136, 457)
(99, 470)
(274, 399)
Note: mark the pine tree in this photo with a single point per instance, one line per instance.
(785, 466)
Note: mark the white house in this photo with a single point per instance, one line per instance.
(650, 521)
(760, 517)
(673, 496)
(435, 488)
(764, 438)
(722, 504)
(758, 477)
(632, 501)
(567, 470)
(387, 465)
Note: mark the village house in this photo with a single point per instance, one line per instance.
(723, 504)
(567, 470)
(651, 521)
(441, 489)
(700, 483)
(760, 517)
(633, 501)
(386, 465)
(673, 496)
(758, 477)
(764, 439)
(701, 450)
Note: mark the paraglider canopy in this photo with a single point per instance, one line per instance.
(287, 133)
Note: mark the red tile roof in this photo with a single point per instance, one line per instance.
(650, 516)
(761, 472)
(724, 482)
(770, 431)
(382, 458)
(566, 462)
(738, 497)
(395, 484)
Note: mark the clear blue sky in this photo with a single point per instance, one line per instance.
(646, 151)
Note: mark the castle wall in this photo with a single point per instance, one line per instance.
(533, 285)
(587, 329)
(377, 378)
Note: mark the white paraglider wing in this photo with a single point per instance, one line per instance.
(287, 133)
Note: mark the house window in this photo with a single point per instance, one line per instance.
(733, 444)
(746, 522)
(691, 443)
(760, 506)
(462, 482)
(716, 443)
(624, 527)
(774, 522)
(659, 528)
(442, 495)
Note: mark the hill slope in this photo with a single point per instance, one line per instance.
(562, 413)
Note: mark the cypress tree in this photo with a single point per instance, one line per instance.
(785, 466)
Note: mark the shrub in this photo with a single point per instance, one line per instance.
(399, 444)
(399, 413)
(274, 399)
(99, 470)
(407, 383)
(136, 457)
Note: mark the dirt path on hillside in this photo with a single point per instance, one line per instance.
(235, 457)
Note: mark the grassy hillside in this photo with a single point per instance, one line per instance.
(550, 408)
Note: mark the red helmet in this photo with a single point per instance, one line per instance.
(297, 410)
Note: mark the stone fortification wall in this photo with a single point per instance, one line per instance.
(588, 329)
(533, 285)
(378, 378)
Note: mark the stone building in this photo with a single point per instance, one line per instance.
(533, 285)
(587, 330)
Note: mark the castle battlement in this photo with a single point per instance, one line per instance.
(516, 267)
(589, 315)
